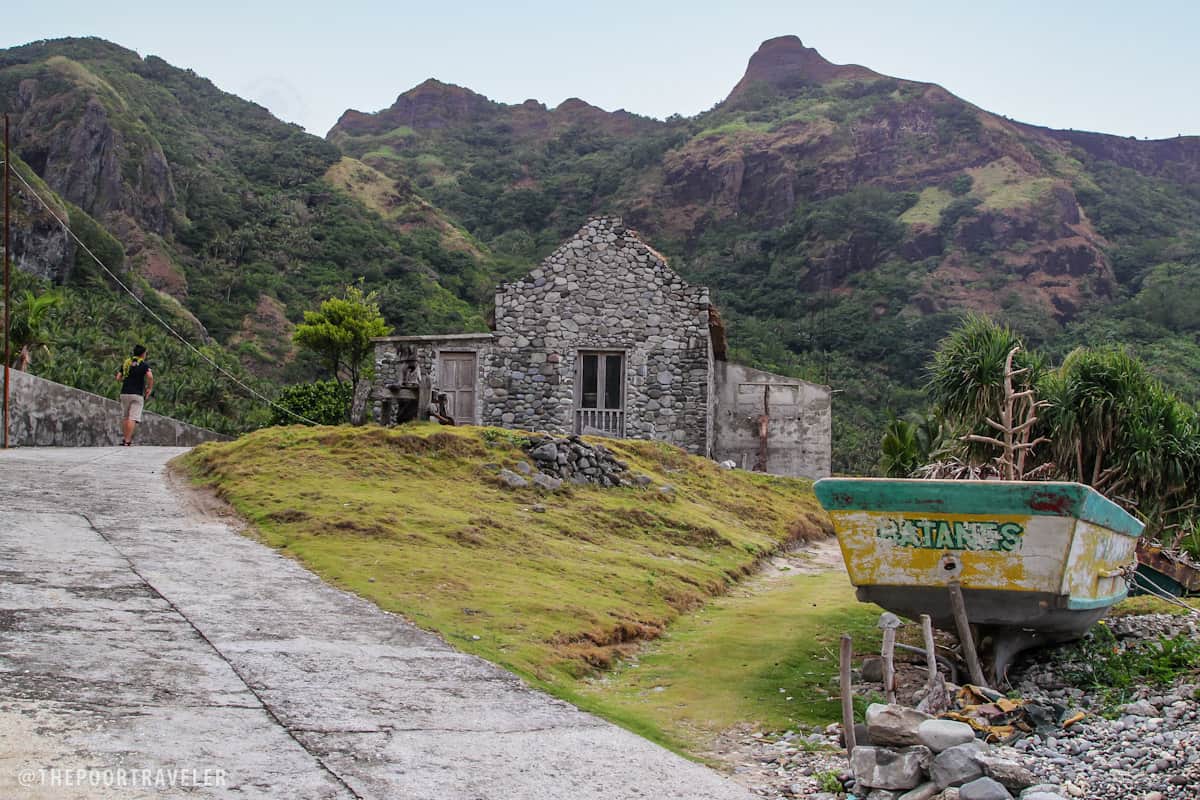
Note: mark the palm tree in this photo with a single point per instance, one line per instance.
(977, 371)
(29, 327)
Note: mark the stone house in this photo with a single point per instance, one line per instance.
(604, 338)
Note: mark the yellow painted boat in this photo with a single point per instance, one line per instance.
(1037, 562)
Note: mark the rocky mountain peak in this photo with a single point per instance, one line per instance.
(786, 64)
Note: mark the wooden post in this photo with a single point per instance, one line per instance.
(847, 653)
(930, 652)
(889, 667)
(959, 607)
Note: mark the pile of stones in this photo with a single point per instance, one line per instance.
(913, 756)
(570, 458)
(1149, 751)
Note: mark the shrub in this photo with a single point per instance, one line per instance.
(323, 402)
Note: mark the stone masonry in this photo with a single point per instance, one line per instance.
(603, 290)
(604, 296)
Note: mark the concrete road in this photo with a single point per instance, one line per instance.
(148, 650)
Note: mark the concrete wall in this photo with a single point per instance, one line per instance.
(43, 413)
(798, 435)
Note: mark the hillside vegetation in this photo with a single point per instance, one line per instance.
(844, 219)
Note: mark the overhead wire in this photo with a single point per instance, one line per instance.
(1150, 588)
(250, 390)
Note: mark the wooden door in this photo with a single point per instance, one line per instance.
(456, 379)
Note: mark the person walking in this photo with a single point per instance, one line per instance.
(137, 382)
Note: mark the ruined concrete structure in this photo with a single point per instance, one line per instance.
(604, 338)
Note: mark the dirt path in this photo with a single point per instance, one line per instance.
(149, 650)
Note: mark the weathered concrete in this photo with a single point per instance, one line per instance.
(48, 414)
(136, 635)
(799, 442)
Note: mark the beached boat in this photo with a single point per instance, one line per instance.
(1163, 572)
(1037, 562)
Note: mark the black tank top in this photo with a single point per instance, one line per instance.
(135, 380)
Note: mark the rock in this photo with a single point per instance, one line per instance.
(666, 489)
(730, 464)
(512, 480)
(1041, 796)
(894, 725)
(544, 452)
(884, 768)
(524, 468)
(1142, 708)
(872, 669)
(942, 734)
(642, 480)
(882, 794)
(957, 765)
(926, 791)
(983, 789)
(546, 482)
(1009, 773)
(538, 508)
(949, 793)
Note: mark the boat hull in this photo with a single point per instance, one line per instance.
(1049, 558)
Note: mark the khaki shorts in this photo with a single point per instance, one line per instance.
(131, 406)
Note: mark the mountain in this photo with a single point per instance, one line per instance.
(241, 218)
(844, 219)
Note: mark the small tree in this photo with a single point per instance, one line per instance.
(340, 333)
(29, 325)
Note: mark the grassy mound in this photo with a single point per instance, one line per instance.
(552, 586)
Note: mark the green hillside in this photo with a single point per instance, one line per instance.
(844, 219)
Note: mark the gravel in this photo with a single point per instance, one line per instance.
(1149, 751)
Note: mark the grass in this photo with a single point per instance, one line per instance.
(573, 597)
(768, 658)
(1005, 184)
(928, 208)
(416, 520)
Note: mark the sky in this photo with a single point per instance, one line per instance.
(1127, 68)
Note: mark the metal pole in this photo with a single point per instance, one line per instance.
(7, 289)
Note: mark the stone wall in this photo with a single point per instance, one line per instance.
(605, 290)
(393, 355)
(48, 414)
(798, 432)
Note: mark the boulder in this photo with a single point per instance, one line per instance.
(1008, 772)
(546, 482)
(983, 789)
(884, 768)
(956, 765)
(925, 791)
(512, 480)
(894, 725)
(942, 734)
(544, 452)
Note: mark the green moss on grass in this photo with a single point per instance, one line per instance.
(417, 520)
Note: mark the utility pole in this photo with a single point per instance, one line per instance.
(7, 288)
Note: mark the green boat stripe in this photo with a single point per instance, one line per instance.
(1016, 498)
(1087, 604)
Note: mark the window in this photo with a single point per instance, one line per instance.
(601, 383)
(600, 394)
